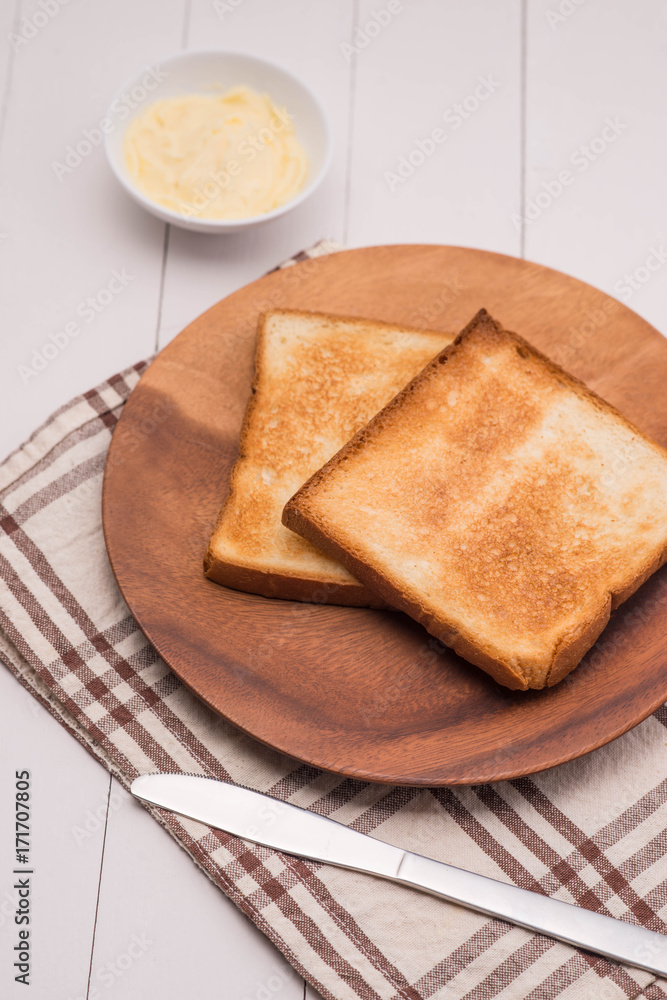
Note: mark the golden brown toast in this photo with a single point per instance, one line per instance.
(498, 501)
(318, 379)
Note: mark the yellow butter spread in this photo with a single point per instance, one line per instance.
(222, 156)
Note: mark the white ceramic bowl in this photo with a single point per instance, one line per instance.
(214, 71)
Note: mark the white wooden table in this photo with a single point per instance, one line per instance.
(523, 92)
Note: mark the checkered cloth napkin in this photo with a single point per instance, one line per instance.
(592, 832)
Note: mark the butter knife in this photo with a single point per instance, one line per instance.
(284, 827)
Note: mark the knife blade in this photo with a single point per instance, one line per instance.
(284, 827)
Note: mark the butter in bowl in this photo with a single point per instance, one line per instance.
(217, 141)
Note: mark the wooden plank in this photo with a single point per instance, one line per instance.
(595, 108)
(68, 801)
(10, 17)
(202, 269)
(69, 225)
(436, 125)
(165, 930)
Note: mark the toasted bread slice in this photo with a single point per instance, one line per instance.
(498, 501)
(318, 379)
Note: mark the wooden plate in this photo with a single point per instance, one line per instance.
(367, 693)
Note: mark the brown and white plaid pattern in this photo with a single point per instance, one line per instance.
(591, 832)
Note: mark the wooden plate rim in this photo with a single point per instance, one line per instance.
(360, 773)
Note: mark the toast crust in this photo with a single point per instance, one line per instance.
(582, 626)
(303, 574)
(290, 588)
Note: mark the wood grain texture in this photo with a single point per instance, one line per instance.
(368, 693)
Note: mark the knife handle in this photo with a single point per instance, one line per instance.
(593, 931)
